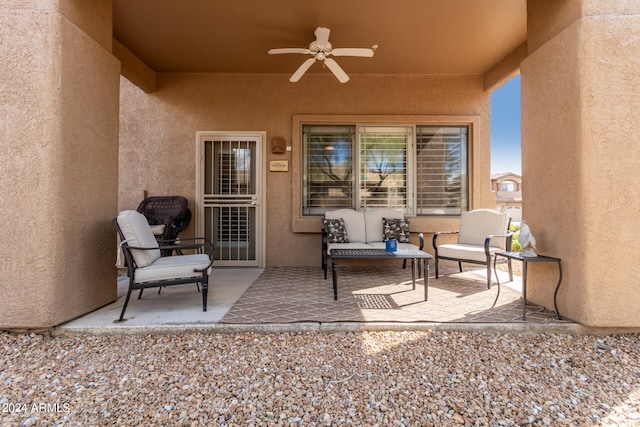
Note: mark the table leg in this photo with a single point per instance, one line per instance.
(555, 294)
(334, 269)
(524, 290)
(426, 279)
(413, 272)
(495, 260)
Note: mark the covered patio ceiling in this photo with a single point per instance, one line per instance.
(413, 36)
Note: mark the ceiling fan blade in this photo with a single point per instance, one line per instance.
(337, 70)
(352, 51)
(290, 50)
(302, 69)
(322, 36)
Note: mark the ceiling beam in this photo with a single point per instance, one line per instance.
(134, 69)
(504, 69)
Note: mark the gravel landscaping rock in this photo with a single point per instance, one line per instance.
(417, 378)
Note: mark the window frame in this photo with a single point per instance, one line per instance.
(363, 195)
(510, 186)
(311, 223)
(311, 141)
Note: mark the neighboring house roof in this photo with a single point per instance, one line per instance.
(507, 196)
(505, 176)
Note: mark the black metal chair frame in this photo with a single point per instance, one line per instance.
(201, 277)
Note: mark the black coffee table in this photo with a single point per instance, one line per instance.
(412, 254)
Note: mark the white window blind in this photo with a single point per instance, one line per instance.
(383, 167)
(377, 166)
(441, 170)
(328, 173)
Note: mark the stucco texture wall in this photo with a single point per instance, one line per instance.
(157, 133)
(58, 187)
(580, 93)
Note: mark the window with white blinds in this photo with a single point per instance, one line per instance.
(367, 167)
(383, 167)
(328, 170)
(441, 170)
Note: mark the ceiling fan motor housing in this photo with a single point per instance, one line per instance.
(315, 47)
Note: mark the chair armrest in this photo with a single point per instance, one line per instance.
(183, 221)
(140, 248)
(438, 233)
(487, 241)
(421, 240)
(201, 244)
(205, 246)
(170, 229)
(195, 240)
(325, 244)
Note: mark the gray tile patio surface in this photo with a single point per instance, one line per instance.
(298, 298)
(381, 294)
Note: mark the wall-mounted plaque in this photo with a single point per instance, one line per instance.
(279, 166)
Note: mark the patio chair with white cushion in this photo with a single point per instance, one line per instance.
(482, 233)
(147, 269)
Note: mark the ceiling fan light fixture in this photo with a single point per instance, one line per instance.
(321, 49)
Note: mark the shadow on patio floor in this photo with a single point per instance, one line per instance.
(381, 294)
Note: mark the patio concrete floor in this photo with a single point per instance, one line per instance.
(298, 298)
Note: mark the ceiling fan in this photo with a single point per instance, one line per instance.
(321, 49)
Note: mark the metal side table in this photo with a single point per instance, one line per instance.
(526, 260)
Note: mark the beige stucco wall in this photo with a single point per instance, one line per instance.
(580, 155)
(58, 187)
(157, 134)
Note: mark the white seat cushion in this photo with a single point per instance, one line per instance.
(373, 222)
(136, 231)
(470, 252)
(172, 267)
(353, 223)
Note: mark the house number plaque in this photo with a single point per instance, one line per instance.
(279, 165)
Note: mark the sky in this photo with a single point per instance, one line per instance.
(505, 128)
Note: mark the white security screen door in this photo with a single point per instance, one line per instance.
(230, 191)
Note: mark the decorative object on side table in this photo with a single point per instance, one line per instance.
(527, 241)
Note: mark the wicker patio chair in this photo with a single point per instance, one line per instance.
(167, 217)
